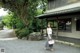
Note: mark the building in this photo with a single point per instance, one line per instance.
(64, 16)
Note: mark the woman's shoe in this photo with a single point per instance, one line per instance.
(52, 49)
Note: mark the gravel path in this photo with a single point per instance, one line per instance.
(14, 45)
(7, 33)
(24, 46)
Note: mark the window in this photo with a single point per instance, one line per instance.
(78, 25)
(64, 24)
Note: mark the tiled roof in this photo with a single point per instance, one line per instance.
(63, 10)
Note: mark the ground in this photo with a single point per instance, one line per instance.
(13, 45)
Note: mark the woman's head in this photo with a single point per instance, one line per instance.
(49, 25)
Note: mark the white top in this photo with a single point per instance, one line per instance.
(49, 31)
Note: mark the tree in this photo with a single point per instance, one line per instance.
(26, 10)
(11, 21)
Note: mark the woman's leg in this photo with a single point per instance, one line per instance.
(47, 45)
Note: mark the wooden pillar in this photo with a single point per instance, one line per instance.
(57, 29)
(42, 37)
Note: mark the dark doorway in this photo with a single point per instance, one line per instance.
(78, 25)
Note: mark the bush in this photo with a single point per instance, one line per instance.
(22, 33)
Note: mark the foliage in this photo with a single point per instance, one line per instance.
(39, 11)
(11, 21)
(39, 24)
(24, 9)
(8, 20)
(24, 12)
(22, 33)
(1, 25)
(1, 18)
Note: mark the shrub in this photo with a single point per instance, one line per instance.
(22, 33)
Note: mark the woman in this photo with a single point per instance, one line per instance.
(49, 37)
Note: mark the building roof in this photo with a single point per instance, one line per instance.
(72, 8)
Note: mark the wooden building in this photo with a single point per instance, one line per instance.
(64, 16)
